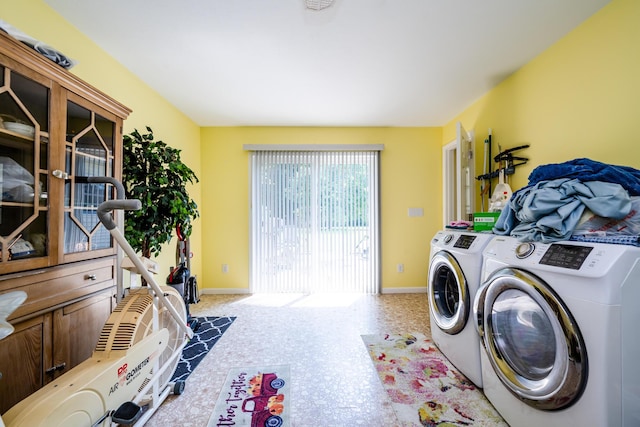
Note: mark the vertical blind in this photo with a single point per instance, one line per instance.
(315, 221)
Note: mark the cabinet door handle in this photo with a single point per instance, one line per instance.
(59, 367)
(60, 174)
(90, 277)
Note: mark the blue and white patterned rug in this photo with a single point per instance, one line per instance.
(209, 331)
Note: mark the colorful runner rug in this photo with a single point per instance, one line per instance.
(424, 387)
(209, 331)
(255, 396)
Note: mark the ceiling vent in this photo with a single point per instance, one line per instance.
(318, 4)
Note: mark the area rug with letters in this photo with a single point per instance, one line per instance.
(254, 396)
(424, 387)
(208, 332)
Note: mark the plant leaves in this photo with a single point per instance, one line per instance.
(154, 173)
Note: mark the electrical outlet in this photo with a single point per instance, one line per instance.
(400, 268)
(225, 268)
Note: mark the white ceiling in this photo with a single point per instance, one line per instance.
(356, 63)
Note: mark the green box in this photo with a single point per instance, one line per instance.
(484, 221)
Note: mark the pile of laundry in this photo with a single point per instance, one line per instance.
(581, 199)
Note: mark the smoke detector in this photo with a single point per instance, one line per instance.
(318, 4)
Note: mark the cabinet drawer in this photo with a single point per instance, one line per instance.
(58, 286)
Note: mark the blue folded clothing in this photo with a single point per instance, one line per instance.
(589, 170)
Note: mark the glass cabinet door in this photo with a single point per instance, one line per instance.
(24, 153)
(89, 151)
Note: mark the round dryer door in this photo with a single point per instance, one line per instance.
(531, 339)
(448, 293)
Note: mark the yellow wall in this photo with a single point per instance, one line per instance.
(37, 19)
(410, 168)
(579, 98)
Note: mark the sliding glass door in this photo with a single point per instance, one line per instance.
(314, 221)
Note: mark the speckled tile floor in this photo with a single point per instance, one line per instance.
(333, 382)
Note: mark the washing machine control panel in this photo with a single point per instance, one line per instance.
(555, 254)
(581, 259)
(464, 241)
(523, 250)
(566, 256)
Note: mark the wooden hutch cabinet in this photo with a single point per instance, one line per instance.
(54, 128)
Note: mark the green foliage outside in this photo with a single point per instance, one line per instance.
(341, 193)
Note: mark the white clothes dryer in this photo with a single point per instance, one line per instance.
(454, 277)
(559, 328)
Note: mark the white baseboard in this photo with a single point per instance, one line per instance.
(412, 290)
(241, 291)
(224, 291)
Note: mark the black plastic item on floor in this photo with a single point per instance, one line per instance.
(181, 280)
(191, 293)
(180, 277)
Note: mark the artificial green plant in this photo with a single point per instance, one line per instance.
(154, 174)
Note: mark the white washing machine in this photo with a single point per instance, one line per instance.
(560, 328)
(454, 277)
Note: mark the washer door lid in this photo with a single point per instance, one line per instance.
(532, 341)
(448, 293)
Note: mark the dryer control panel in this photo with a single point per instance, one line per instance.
(556, 254)
(589, 259)
(464, 241)
(566, 256)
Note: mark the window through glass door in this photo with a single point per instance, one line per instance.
(315, 222)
